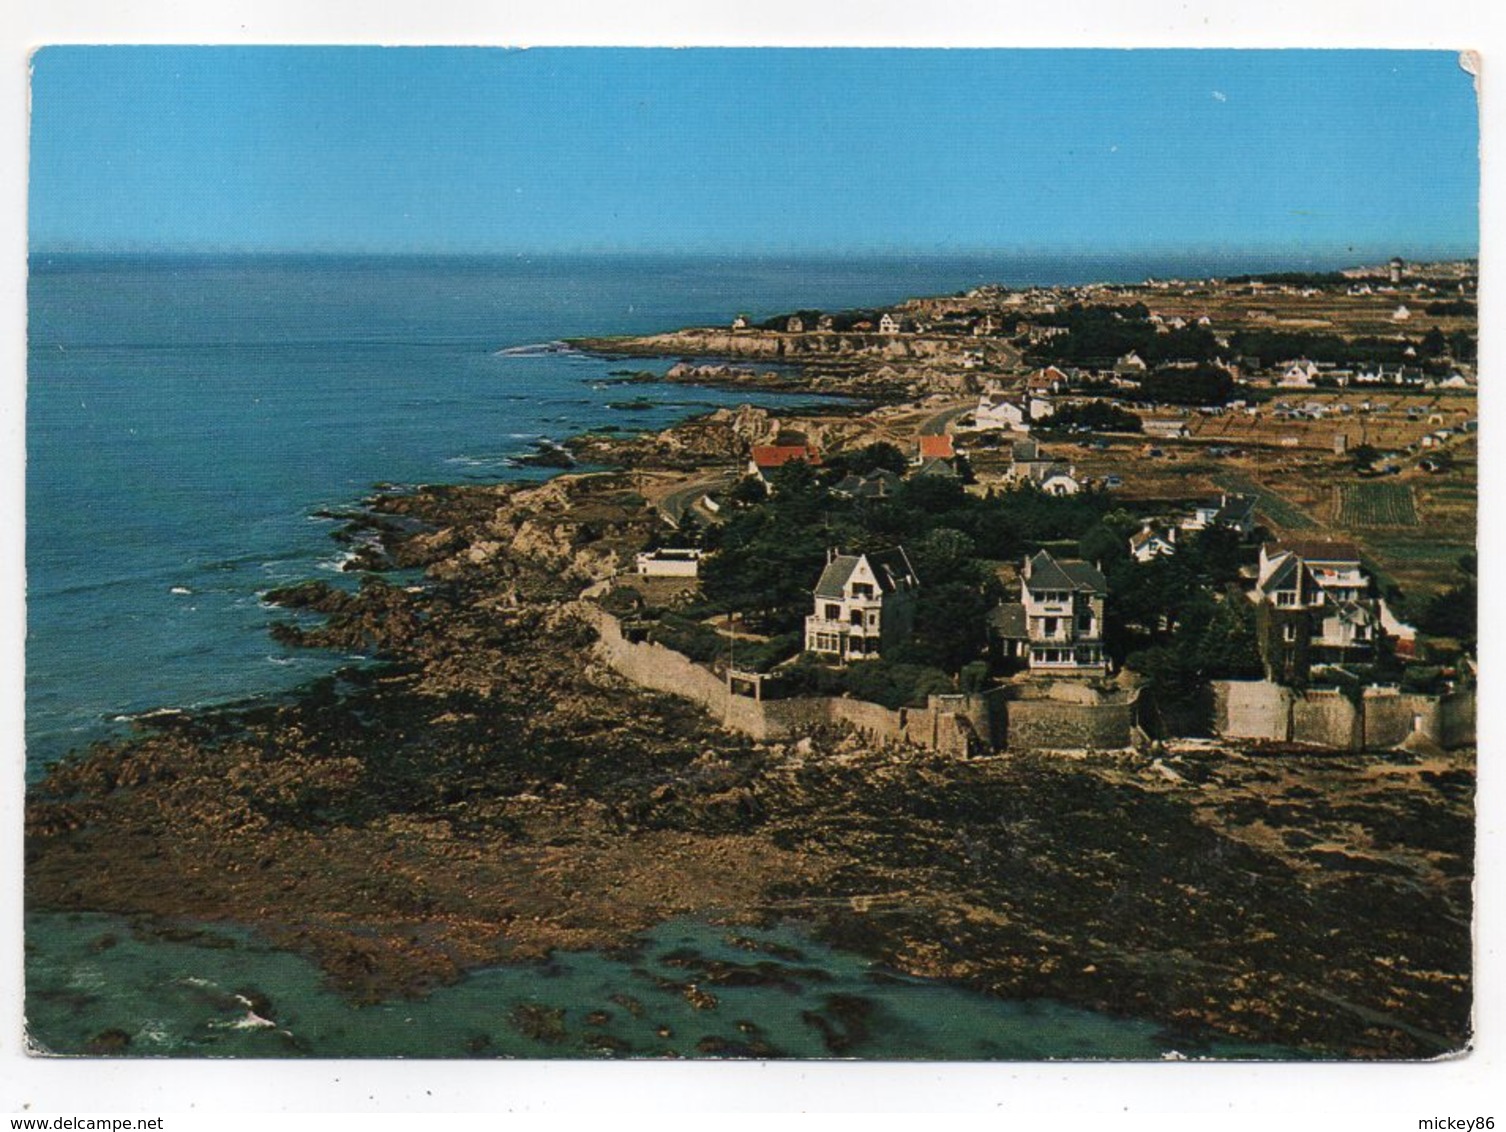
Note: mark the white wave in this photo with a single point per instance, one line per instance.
(86, 977)
(337, 563)
(180, 590)
(536, 350)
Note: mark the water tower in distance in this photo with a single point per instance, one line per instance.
(1398, 265)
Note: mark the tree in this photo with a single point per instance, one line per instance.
(1462, 346)
(1204, 385)
(792, 478)
(1104, 544)
(748, 491)
(949, 627)
(1227, 646)
(1453, 613)
(869, 458)
(1433, 344)
(944, 555)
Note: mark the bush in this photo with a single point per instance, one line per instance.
(762, 656)
(696, 641)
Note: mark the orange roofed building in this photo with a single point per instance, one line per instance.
(937, 447)
(765, 459)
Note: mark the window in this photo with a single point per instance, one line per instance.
(856, 618)
(1085, 623)
(862, 589)
(1286, 597)
(833, 613)
(1048, 626)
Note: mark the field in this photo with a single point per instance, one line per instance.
(1386, 419)
(1374, 504)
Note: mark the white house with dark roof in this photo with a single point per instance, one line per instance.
(669, 562)
(1153, 540)
(997, 409)
(1059, 479)
(888, 324)
(864, 604)
(1058, 621)
(1228, 511)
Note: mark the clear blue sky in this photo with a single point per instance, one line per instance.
(425, 149)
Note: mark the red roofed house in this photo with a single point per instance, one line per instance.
(765, 459)
(938, 447)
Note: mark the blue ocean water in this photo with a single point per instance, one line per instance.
(185, 418)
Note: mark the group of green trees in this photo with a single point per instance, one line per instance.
(1178, 620)
(770, 552)
(1200, 385)
(1170, 619)
(1099, 416)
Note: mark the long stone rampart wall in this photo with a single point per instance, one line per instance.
(954, 724)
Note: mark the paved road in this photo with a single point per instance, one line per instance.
(674, 505)
(936, 423)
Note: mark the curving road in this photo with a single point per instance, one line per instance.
(682, 499)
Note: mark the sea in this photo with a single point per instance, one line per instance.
(189, 419)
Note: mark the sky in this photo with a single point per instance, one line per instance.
(775, 150)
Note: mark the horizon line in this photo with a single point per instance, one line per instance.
(1307, 252)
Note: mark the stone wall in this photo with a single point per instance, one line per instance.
(1384, 717)
(1068, 714)
(1036, 724)
(1456, 719)
(1328, 718)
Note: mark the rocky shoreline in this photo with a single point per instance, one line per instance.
(522, 797)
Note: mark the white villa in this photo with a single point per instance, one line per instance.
(997, 410)
(1233, 512)
(864, 603)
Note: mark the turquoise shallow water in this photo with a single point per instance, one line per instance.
(761, 993)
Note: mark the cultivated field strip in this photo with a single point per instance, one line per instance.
(1365, 505)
